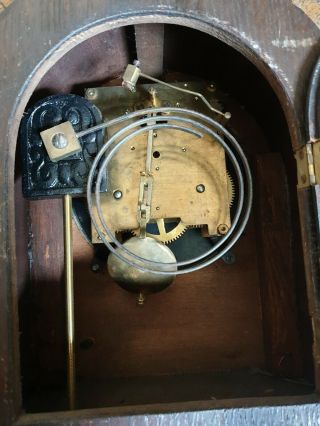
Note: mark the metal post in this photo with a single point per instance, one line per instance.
(67, 205)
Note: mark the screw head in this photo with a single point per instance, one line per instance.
(200, 188)
(91, 93)
(141, 299)
(157, 168)
(59, 141)
(184, 149)
(157, 208)
(222, 229)
(117, 194)
(229, 258)
(87, 343)
(95, 267)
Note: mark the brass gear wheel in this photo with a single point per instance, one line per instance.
(165, 236)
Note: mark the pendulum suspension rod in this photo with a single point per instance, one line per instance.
(67, 207)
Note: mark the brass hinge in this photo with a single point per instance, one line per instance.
(308, 164)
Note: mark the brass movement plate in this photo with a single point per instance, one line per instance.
(180, 163)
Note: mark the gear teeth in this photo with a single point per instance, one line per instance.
(168, 237)
(231, 189)
(130, 231)
(177, 237)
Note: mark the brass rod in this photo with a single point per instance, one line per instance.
(67, 207)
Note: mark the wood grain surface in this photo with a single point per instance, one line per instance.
(279, 306)
(206, 321)
(302, 411)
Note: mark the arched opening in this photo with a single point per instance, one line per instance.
(235, 329)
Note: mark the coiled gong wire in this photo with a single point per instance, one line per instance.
(184, 120)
